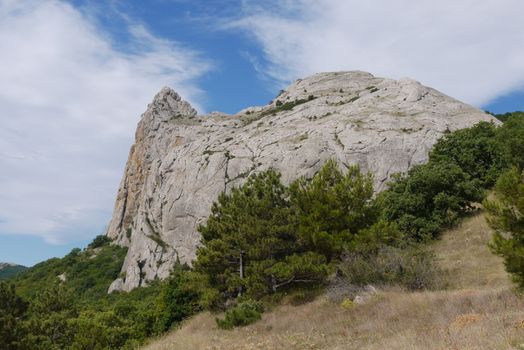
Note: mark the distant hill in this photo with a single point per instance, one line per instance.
(8, 270)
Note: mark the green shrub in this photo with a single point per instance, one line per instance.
(303, 296)
(50, 313)
(474, 150)
(177, 300)
(412, 268)
(510, 140)
(429, 198)
(504, 117)
(286, 106)
(383, 255)
(243, 314)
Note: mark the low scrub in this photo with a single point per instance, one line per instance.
(243, 314)
(411, 268)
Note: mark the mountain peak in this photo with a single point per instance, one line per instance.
(166, 93)
(167, 104)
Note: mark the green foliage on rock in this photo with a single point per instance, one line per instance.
(462, 166)
(506, 211)
(99, 241)
(286, 106)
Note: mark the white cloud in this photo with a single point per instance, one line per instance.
(69, 104)
(472, 50)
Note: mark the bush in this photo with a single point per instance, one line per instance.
(243, 314)
(303, 296)
(474, 150)
(177, 300)
(430, 198)
(412, 268)
(504, 117)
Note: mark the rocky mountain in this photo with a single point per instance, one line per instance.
(8, 270)
(182, 161)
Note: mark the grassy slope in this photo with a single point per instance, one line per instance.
(479, 310)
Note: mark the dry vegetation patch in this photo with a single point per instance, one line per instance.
(464, 253)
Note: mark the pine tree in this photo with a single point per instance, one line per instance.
(263, 237)
(249, 232)
(507, 218)
(332, 208)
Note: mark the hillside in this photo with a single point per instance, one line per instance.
(478, 310)
(182, 161)
(8, 270)
(87, 273)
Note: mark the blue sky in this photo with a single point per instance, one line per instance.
(76, 75)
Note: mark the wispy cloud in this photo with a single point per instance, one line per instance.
(472, 50)
(69, 104)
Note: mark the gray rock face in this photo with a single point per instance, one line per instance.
(181, 162)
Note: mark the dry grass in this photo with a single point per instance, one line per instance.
(480, 312)
(464, 253)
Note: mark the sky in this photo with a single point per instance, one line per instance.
(75, 76)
